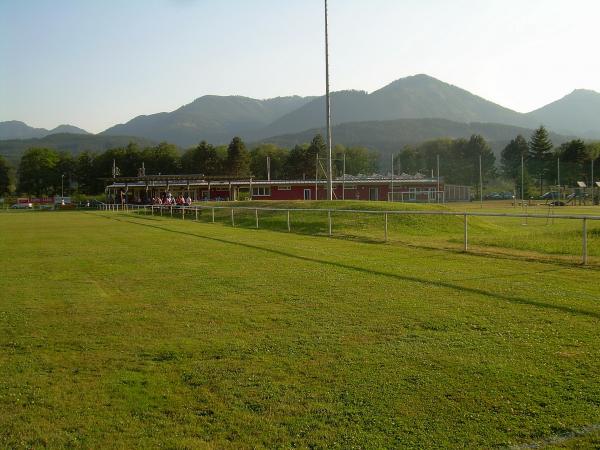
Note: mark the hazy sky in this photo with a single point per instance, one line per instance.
(95, 63)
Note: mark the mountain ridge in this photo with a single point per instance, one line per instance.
(210, 117)
(391, 136)
(577, 112)
(216, 119)
(16, 129)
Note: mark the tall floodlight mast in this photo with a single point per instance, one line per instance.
(328, 111)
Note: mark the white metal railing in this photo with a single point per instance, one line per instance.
(181, 211)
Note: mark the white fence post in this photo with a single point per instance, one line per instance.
(288, 221)
(466, 248)
(329, 219)
(256, 213)
(386, 227)
(585, 249)
(232, 219)
(213, 215)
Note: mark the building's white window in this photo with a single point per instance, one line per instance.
(261, 191)
(284, 188)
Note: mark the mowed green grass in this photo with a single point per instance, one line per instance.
(550, 237)
(125, 331)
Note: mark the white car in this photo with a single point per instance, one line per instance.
(22, 206)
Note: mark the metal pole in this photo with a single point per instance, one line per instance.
(288, 222)
(558, 179)
(329, 217)
(522, 182)
(232, 219)
(593, 182)
(213, 215)
(480, 182)
(466, 247)
(438, 178)
(183, 213)
(585, 252)
(268, 168)
(392, 182)
(328, 110)
(196, 214)
(256, 214)
(317, 179)
(344, 179)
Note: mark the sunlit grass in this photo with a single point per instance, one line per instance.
(129, 331)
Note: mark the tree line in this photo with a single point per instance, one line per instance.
(44, 171)
(459, 160)
(539, 164)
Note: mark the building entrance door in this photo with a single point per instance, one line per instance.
(374, 194)
(307, 194)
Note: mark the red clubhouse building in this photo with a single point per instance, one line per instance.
(399, 188)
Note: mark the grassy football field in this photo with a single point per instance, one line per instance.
(130, 331)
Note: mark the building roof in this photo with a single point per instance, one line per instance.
(200, 181)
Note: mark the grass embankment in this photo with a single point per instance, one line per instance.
(125, 331)
(553, 237)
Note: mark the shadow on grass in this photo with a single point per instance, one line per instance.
(441, 284)
(493, 251)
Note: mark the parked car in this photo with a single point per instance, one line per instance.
(88, 204)
(550, 196)
(22, 206)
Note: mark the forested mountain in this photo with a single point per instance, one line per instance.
(15, 129)
(392, 136)
(212, 118)
(577, 113)
(415, 97)
(70, 143)
(406, 111)
(70, 129)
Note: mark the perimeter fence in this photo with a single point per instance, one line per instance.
(418, 227)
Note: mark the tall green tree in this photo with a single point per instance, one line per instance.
(277, 157)
(202, 159)
(297, 165)
(38, 171)
(408, 161)
(238, 158)
(510, 159)
(359, 160)
(6, 176)
(540, 153)
(85, 174)
(302, 160)
(162, 159)
(65, 173)
(575, 158)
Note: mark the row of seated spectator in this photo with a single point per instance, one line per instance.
(169, 200)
